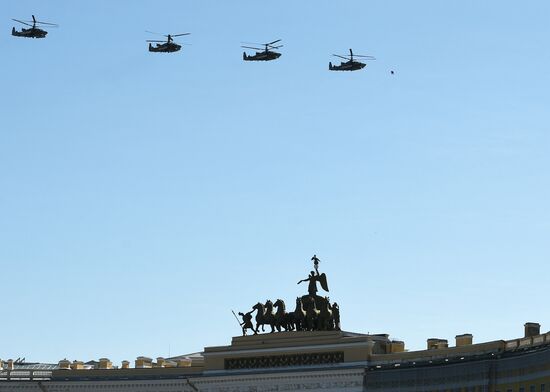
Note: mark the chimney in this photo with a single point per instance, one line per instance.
(104, 363)
(77, 365)
(125, 364)
(144, 363)
(436, 343)
(184, 362)
(532, 329)
(397, 346)
(464, 340)
(161, 362)
(10, 364)
(64, 364)
(1, 365)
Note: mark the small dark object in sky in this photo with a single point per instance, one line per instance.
(393, 73)
(33, 32)
(350, 64)
(265, 54)
(167, 46)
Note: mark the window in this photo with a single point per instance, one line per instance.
(531, 388)
(542, 387)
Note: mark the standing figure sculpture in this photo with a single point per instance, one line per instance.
(247, 322)
(316, 261)
(336, 316)
(313, 279)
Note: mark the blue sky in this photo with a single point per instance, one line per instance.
(143, 196)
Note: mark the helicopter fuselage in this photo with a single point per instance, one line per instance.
(262, 56)
(33, 32)
(168, 47)
(347, 66)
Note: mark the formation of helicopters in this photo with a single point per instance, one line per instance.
(267, 53)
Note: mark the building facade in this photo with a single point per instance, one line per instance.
(308, 361)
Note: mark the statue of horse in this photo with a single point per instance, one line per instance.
(312, 314)
(264, 316)
(282, 318)
(325, 322)
(298, 317)
(269, 316)
(260, 316)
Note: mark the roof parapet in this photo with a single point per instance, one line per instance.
(143, 363)
(105, 363)
(532, 329)
(464, 340)
(436, 343)
(64, 364)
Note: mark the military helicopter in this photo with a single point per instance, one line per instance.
(33, 32)
(350, 64)
(265, 54)
(167, 46)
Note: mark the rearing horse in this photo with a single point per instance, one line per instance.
(312, 314)
(325, 320)
(282, 318)
(264, 315)
(299, 315)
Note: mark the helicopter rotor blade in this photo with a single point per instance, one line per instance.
(252, 43)
(154, 40)
(250, 47)
(179, 35)
(365, 57)
(46, 23)
(342, 57)
(259, 44)
(275, 47)
(152, 32)
(20, 21)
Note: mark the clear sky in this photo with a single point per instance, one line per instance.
(143, 196)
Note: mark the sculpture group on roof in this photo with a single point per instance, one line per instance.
(312, 312)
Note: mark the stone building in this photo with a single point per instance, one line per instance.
(308, 360)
